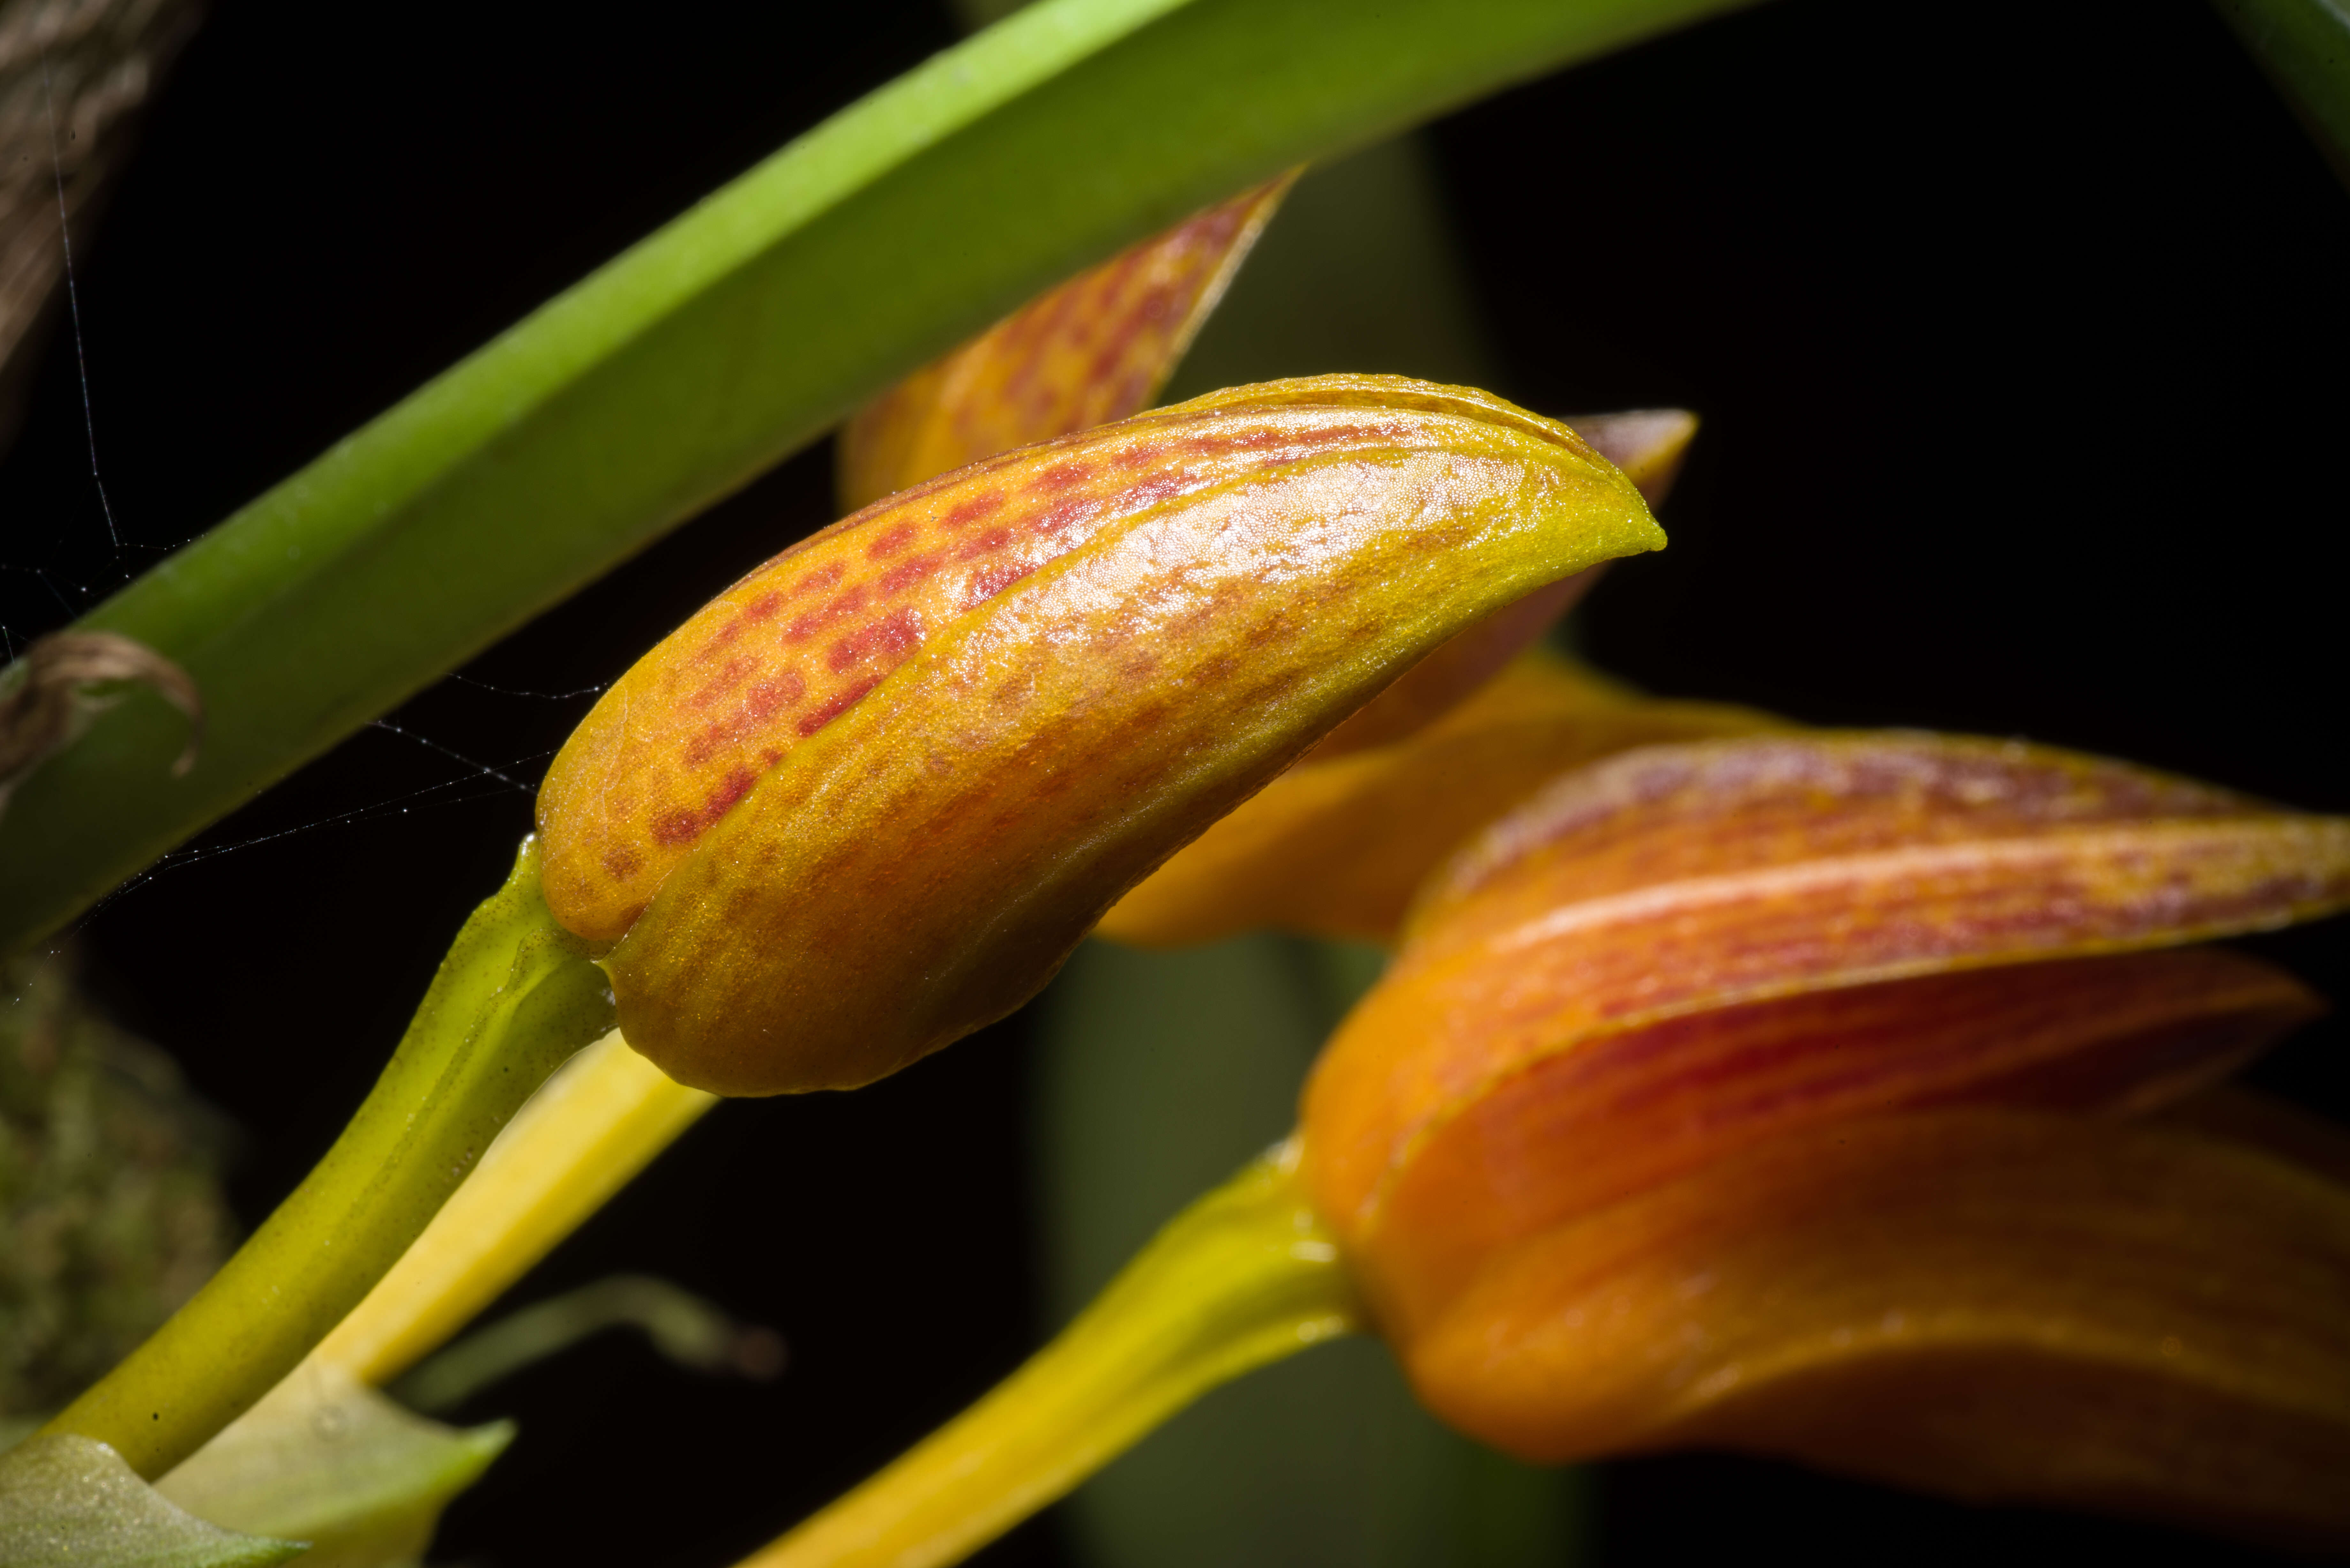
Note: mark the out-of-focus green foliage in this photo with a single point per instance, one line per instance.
(2304, 46)
(1156, 1072)
(69, 1503)
(682, 1326)
(110, 1206)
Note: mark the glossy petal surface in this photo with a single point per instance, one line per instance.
(1252, 566)
(1095, 348)
(1997, 1305)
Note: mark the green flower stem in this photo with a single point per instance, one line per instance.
(2305, 46)
(716, 346)
(1246, 1275)
(516, 996)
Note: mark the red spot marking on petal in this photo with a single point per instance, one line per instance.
(671, 828)
(1150, 492)
(725, 681)
(759, 705)
(987, 544)
(994, 581)
(734, 787)
(1061, 476)
(1062, 517)
(763, 607)
(894, 635)
(808, 625)
(622, 861)
(906, 574)
(771, 696)
(816, 582)
(840, 703)
(986, 503)
(890, 544)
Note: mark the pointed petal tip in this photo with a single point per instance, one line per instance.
(1647, 444)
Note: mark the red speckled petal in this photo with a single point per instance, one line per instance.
(1095, 349)
(1273, 556)
(1667, 882)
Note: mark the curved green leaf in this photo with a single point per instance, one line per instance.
(2305, 46)
(70, 1502)
(338, 1465)
(716, 346)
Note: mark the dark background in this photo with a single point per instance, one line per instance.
(2019, 331)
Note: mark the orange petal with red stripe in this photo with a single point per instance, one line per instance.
(1626, 1111)
(1992, 1305)
(1097, 349)
(1678, 879)
(1236, 574)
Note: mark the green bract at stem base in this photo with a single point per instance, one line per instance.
(1246, 1275)
(715, 347)
(516, 996)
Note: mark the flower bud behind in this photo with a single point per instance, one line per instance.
(1183, 603)
(1337, 845)
(1095, 348)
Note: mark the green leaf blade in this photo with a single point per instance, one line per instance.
(69, 1503)
(2305, 46)
(717, 347)
(339, 1465)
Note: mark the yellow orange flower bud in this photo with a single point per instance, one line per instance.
(868, 798)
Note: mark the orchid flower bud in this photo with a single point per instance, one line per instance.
(1759, 1093)
(868, 798)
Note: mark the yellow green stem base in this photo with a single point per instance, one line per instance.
(1246, 1275)
(516, 996)
(582, 1138)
